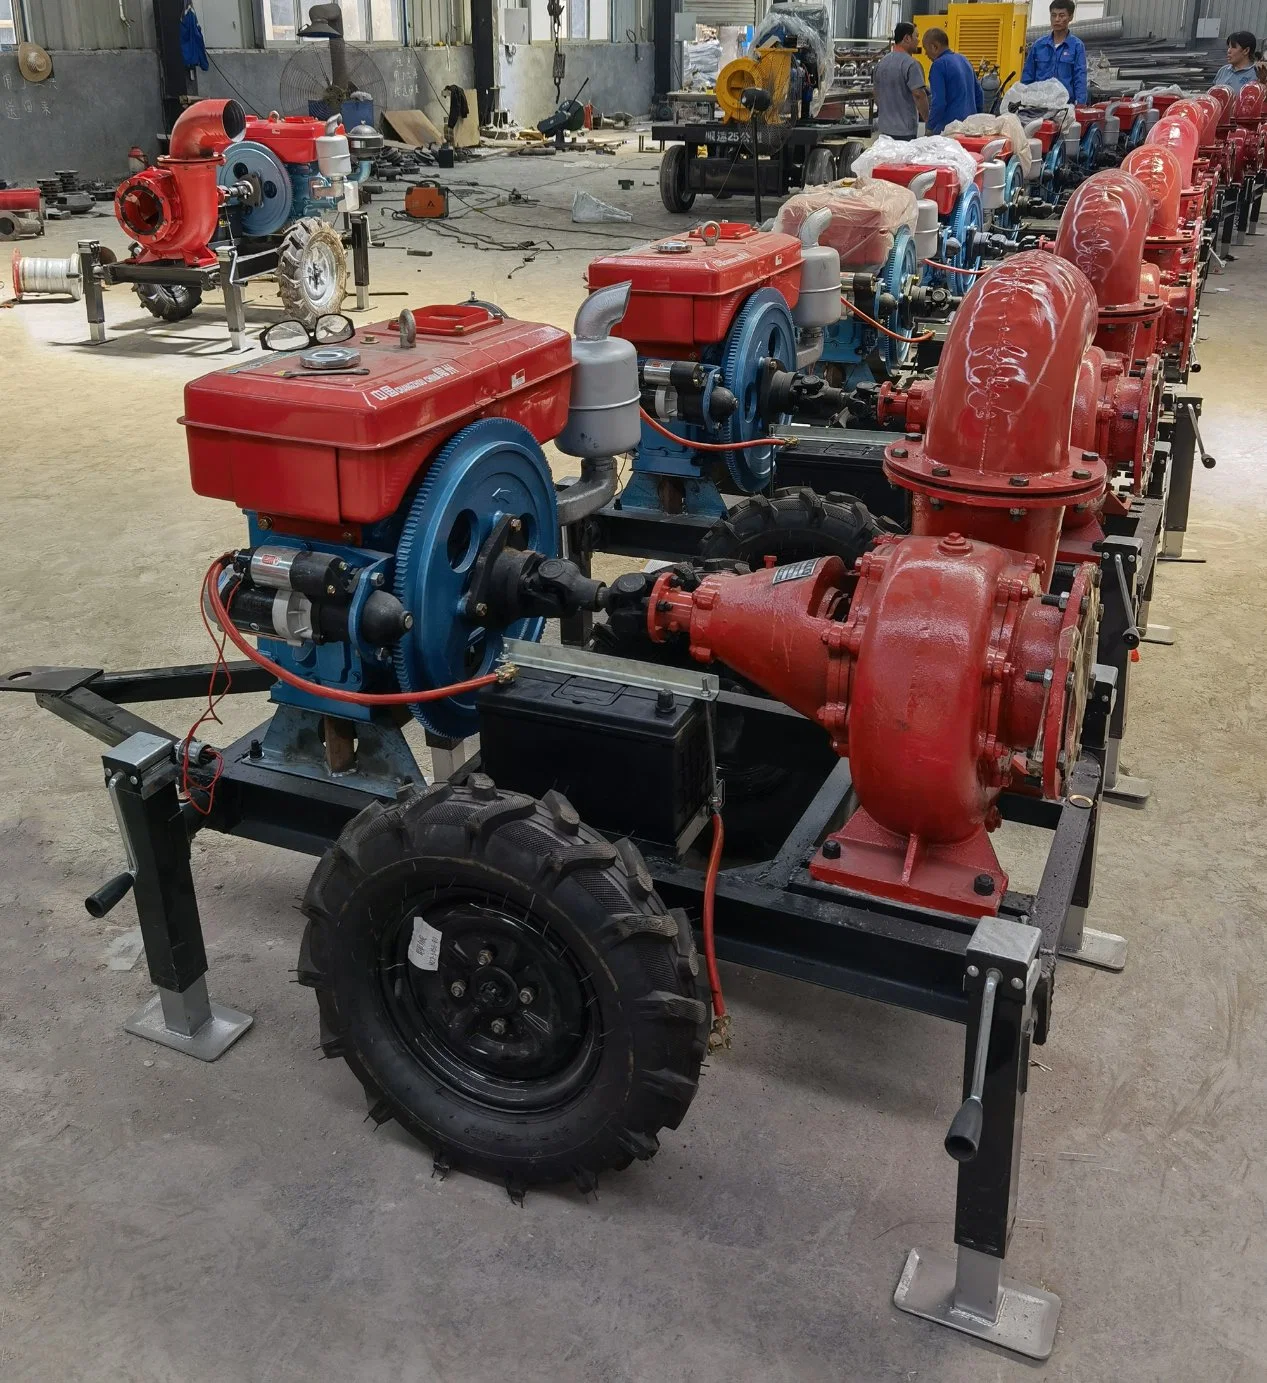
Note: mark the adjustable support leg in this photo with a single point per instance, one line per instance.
(359, 225)
(969, 1291)
(94, 300)
(1089, 945)
(1120, 561)
(575, 630)
(141, 777)
(447, 757)
(234, 305)
(1185, 444)
(1244, 207)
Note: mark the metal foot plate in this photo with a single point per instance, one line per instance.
(1027, 1316)
(1125, 788)
(1104, 950)
(1159, 633)
(213, 1039)
(1180, 556)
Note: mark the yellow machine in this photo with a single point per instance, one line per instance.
(769, 67)
(988, 35)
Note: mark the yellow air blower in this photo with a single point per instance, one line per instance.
(769, 67)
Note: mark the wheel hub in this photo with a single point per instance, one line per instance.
(495, 991)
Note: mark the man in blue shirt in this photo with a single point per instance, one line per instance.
(953, 90)
(1059, 55)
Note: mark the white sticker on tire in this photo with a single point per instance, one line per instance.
(424, 946)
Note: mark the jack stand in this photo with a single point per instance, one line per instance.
(358, 224)
(94, 300)
(141, 775)
(447, 757)
(1090, 946)
(1160, 634)
(968, 1292)
(234, 305)
(1122, 787)
(1172, 549)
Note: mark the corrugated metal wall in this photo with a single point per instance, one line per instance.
(91, 24)
(1238, 14)
(1173, 19)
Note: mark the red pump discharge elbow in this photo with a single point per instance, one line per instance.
(940, 666)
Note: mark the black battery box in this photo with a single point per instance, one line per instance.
(632, 761)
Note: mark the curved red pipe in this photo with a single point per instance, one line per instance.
(1158, 169)
(206, 128)
(1182, 136)
(1103, 230)
(1004, 390)
(1250, 100)
(1223, 95)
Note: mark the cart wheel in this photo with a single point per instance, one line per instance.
(312, 271)
(845, 158)
(505, 983)
(674, 192)
(169, 302)
(820, 167)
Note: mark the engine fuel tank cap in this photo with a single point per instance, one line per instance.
(330, 358)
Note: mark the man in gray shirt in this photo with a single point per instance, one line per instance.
(901, 94)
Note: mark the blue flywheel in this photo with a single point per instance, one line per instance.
(762, 330)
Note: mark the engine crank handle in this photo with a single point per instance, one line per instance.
(963, 1138)
(1207, 460)
(111, 892)
(1130, 636)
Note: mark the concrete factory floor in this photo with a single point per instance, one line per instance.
(168, 1220)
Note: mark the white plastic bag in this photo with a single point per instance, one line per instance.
(1005, 126)
(587, 209)
(934, 149)
(700, 64)
(1048, 98)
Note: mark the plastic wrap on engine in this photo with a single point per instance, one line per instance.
(864, 219)
(809, 24)
(933, 150)
(1006, 126)
(1048, 99)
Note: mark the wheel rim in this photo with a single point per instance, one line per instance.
(508, 1018)
(319, 275)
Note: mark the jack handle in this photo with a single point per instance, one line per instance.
(964, 1136)
(1130, 636)
(111, 892)
(1207, 460)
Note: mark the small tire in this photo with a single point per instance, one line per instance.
(674, 192)
(565, 1017)
(820, 167)
(793, 525)
(169, 302)
(845, 158)
(312, 271)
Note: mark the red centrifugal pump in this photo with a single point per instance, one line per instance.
(941, 667)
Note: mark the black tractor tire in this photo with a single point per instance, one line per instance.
(573, 1080)
(674, 192)
(793, 525)
(820, 167)
(312, 271)
(169, 302)
(846, 156)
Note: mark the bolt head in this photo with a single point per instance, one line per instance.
(941, 470)
(526, 996)
(481, 610)
(831, 849)
(485, 957)
(1019, 481)
(457, 988)
(983, 884)
(498, 1026)
(901, 453)
(973, 972)
(265, 522)
(376, 578)
(1081, 475)
(1017, 982)
(516, 525)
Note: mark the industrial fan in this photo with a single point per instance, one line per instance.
(320, 80)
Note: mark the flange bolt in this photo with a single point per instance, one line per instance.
(457, 988)
(831, 849)
(498, 1026)
(983, 884)
(526, 996)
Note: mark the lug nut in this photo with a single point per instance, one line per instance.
(457, 989)
(498, 1026)
(526, 996)
(485, 957)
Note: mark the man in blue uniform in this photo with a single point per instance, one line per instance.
(953, 90)
(1059, 55)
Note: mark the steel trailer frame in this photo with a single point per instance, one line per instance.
(236, 264)
(769, 916)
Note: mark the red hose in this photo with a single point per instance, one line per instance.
(237, 639)
(721, 1021)
(713, 446)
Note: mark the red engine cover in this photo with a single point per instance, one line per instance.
(293, 138)
(683, 299)
(945, 188)
(338, 449)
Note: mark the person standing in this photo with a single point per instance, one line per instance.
(954, 93)
(901, 96)
(1059, 55)
(1239, 68)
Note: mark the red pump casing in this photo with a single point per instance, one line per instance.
(328, 452)
(172, 209)
(687, 289)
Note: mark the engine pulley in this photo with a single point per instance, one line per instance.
(247, 159)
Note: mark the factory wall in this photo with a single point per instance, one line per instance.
(617, 81)
(85, 116)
